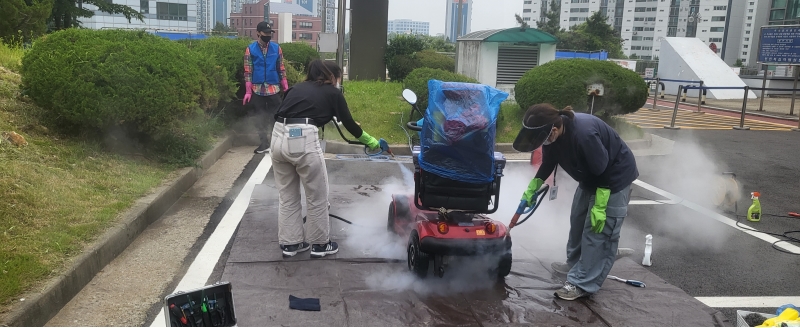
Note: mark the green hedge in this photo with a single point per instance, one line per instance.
(399, 56)
(417, 81)
(400, 66)
(228, 53)
(129, 84)
(299, 54)
(564, 82)
(293, 76)
(431, 59)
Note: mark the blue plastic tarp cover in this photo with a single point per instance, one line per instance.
(458, 131)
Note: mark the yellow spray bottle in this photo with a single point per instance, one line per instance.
(754, 212)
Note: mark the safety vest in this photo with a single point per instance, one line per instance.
(265, 68)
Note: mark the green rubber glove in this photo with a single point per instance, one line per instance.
(530, 193)
(599, 209)
(368, 140)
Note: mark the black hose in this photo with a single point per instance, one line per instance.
(339, 218)
(783, 237)
(538, 202)
(333, 216)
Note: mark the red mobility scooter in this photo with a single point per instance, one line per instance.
(446, 216)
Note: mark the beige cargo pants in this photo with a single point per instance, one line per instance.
(297, 160)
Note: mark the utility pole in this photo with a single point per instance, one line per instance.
(324, 16)
(460, 12)
(340, 49)
(458, 30)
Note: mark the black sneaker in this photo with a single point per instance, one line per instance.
(318, 250)
(261, 149)
(292, 250)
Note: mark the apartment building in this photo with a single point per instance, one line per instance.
(166, 15)
(451, 20)
(304, 25)
(407, 26)
(316, 7)
(728, 27)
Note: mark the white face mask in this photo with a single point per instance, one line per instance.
(338, 86)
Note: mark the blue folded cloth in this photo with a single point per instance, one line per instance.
(304, 304)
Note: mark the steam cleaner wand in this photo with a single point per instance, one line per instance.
(635, 283)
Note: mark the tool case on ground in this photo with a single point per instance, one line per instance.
(209, 306)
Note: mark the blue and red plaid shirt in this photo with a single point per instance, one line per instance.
(264, 89)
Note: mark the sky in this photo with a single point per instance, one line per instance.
(487, 14)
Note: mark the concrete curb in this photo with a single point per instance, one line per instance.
(43, 305)
(340, 147)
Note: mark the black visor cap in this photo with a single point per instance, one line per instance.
(529, 139)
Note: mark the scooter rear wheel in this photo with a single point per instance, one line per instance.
(418, 260)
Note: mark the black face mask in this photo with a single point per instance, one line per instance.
(266, 39)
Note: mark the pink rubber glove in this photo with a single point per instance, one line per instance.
(248, 92)
(284, 85)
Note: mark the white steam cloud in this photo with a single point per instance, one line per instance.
(544, 235)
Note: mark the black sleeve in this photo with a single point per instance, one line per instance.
(342, 112)
(549, 162)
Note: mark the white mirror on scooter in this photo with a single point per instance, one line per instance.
(410, 96)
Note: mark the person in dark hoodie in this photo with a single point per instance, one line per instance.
(593, 154)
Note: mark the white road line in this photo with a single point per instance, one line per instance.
(749, 301)
(203, 265)
(716, 216)
(650, 202)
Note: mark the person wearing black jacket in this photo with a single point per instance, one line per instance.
(297, 158)
(593, 154)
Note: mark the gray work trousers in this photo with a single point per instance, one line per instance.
(295, 161)
(590, 254)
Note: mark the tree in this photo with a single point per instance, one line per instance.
(437, 43)
(66, 13)
(552, 21)
(739, 63)
(24, 18)
(522, 23)
(593, 35)
(221, 29)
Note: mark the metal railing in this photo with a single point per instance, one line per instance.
(683, 88)
(701, 97)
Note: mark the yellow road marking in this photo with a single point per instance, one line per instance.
(647, 118)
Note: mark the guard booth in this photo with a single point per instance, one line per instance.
(500, 57)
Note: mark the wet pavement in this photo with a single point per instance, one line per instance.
(368, 284)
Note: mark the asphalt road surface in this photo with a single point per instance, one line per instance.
(696, 250)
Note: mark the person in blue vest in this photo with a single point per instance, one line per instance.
(265, 82)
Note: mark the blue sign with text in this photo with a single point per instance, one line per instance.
(780, 45)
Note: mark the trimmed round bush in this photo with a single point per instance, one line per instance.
(431, 59)
(293, 76)
(400, 66)
(299, 54)
(104, 82)
(564, 83)
(417, 81)
(227, 52)
(399, 56)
